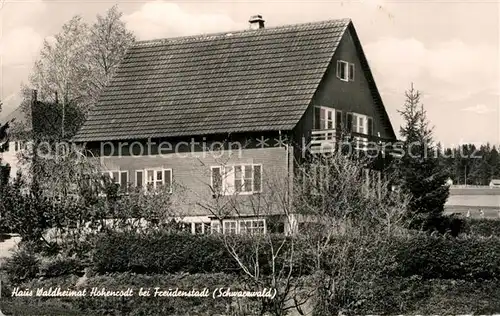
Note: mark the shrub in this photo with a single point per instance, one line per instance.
(140, 305)
(447, 258)
(137, 305)
(22, 266)
(61, 266)
(483, 227)
(170, 252)
(417, 296)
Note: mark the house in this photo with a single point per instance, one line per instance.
(174, 103)
(44, 121)
(17, 140)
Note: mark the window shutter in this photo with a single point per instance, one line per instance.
(338, 121)
(351, 72)
(317, 118)
(217, 179)
(167, 176)
(349, 122)
(370, 126)
(257, 178)
(124, 180)
(115, 176)
(139, 178)
(339, 66)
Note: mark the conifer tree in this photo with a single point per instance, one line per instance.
(422, 175)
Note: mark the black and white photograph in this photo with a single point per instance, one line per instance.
(249, 158)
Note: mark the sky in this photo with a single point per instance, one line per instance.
(448, 49)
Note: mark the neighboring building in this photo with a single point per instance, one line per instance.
(17, 140)
(303, 83)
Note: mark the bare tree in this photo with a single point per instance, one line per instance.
(109, 40)
(79, 61)
(266, 257)
(348, 214)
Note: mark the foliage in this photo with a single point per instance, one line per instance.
(396, 296)
(163, 252)
(416, 296)
(61, 266)
(421, 173)
(140, 305)
(24, 213)
(471, 164)
(24, 265)
(63, 206)
(483, 227)
(75, 65)
(433, 257)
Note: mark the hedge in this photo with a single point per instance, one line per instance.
(390, 296)
(422, 255)
(136, 305)
(448, 258)
(483, 227)
(167, 252)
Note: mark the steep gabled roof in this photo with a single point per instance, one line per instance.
(253, 80)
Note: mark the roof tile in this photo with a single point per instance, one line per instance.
(254, 80)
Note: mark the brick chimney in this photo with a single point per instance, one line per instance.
(256, 22)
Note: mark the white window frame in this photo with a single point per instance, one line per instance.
(155, 181)
(360, 128)
(205, 228)
(326, 122)
(228, 177)
(109, 173)
(215, 227)
(252, 227)
(349, 70)
(356, 118)
(118, 181)
(227, 223)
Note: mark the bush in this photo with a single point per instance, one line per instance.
(139, 305)
(423, 255)
(437, 297)
(483, 227)
(447, 258)
(22, 266)
(61, 266)
(170, 252)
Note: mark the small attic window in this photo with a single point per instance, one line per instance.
(345, 70)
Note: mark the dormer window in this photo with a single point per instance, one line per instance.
(345, 70)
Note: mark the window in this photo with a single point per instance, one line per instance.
(362, 124)
(216, 179)
(241, 179)
(139, 178)
(201, 228)
(157, 179)
(215, 227)
(327, 119)
(252, 226)
(345, 70)
(324, 118)
(117, 177)
(276, 227)
(230, 227)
